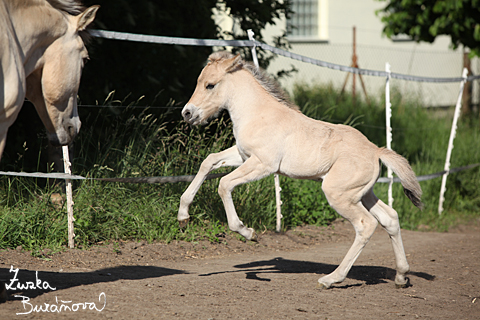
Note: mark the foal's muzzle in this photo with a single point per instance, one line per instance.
(191, 114)
(187, 115)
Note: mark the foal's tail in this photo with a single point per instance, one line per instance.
(400, 166)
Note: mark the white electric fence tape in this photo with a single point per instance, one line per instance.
(189, 178)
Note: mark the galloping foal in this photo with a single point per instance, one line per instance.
(273, 136)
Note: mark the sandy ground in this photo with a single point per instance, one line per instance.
(273, 279)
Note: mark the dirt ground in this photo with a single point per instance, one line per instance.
(273, 279)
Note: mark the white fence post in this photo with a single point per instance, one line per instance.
(251, 37)
(68, 182)
(278, 189)
(278, 198)
(388, 115)
(453, 132)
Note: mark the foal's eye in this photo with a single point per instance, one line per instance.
(210, 86)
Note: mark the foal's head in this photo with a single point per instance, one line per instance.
(208, 99)
(214, 88)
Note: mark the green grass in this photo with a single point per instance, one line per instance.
(126, 143)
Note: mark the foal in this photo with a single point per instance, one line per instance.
(273, 136)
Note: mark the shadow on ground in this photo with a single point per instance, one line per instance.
(259, 270)
(38, 283)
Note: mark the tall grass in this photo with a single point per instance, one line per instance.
(131, 144)
(118, 142)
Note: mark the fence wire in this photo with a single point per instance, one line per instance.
(253, 43)
(189, 178)
(241, 43)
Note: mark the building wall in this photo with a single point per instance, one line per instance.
(373, 50)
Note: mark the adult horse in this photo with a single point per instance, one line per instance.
(42, 53)
(273, 136)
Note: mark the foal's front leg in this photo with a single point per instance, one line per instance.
(253, 169)
(225, 158)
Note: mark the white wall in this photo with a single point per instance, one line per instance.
(373, 51)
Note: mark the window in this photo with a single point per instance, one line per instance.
(309, 21)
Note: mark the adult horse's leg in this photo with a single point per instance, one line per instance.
(6, 121)
(13, 96)
(253, 169)
(344, 192)
(3, 141)
(388, 218)
(226, 158)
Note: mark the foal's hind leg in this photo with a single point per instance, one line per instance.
(388, 218)
(345, 202)
(364, 225)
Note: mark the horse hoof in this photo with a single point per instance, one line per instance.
(321, 286)
(254, 237)
(403, 285)
(183, 223)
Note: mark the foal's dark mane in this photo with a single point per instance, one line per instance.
(262, 77)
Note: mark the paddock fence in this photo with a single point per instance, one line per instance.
(253, 44)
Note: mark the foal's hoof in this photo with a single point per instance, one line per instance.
(183, 223)
(321, 286)
(254, 237)
(403, 285)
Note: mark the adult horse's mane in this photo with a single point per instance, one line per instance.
(262, 77)
(72, 7)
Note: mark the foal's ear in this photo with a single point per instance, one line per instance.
(233, 64)
(86, 17)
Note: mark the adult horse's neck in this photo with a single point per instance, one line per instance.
(33, 32)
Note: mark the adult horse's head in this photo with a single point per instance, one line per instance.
(211, 94)
(54, 65)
